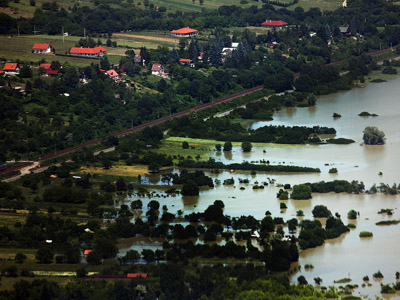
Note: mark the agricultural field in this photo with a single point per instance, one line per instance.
(194, 5)
(14, 47)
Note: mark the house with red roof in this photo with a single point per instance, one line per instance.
(11, 69)
(185, 61)
(88, 52)
(273, 23)
(52, 73)
(41, 48)
(158, 70)
(184, 32)
(112, 74)
(45, 66)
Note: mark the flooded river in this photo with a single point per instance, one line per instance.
(349, 255)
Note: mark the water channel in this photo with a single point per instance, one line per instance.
(349, 255)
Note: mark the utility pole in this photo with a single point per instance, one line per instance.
(63, 33)
(84, 32)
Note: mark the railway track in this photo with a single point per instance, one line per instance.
(135, 129)
(164, 119)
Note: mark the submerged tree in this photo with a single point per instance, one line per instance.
(373, 136)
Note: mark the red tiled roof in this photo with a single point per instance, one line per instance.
(184, 60)
(112, 73)
(156, 67)
(41, 46)
(10, 67)
(185, 30)
(274, 23)
(79, 50)
(45, 66)
(87, 252)
(52, 72)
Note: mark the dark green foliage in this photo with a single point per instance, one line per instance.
(373, 136)
(352, 215)
(20, 257)
(321, 211)
(227, 146)
(212, 164)
(185, 145)
(301, 192)
(190, 189)
(45, 255)
(246, 146)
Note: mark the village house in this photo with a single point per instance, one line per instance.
(88, 52)
(137, 59)
(226, 51)
(184, 61)
(41, 48)
(45, 66)
(52, 73)
(113, 74)
(184, 32)
(11, 69)
(345, 30)
(158, 70)
(273, 23)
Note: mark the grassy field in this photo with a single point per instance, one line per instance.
(212, 143)
(189, 5)
(14, 47)
(24, 9)
(125, 171)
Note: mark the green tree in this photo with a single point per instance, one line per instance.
(45, 255)
(352, 215)
(94, 258)
(20, 258)
(25, 72)
(227, 146)
(301, 192)
(190, 188)
(321, 211)
(120, 184)
(185, 145)
(246, 146)
(373, 136)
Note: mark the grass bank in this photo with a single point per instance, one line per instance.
(212, 143)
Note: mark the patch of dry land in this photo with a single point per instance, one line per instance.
(131, 171)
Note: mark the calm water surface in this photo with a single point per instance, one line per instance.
(348, 255)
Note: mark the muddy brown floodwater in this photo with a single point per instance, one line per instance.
(348, 255)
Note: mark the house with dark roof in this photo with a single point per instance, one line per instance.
(273, 23)
(41, 48)
(184, 32)
(11, 69)
(137, 59)
(88, 52)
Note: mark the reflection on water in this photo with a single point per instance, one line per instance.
(190, 202)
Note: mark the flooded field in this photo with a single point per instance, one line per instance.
(349, 255)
